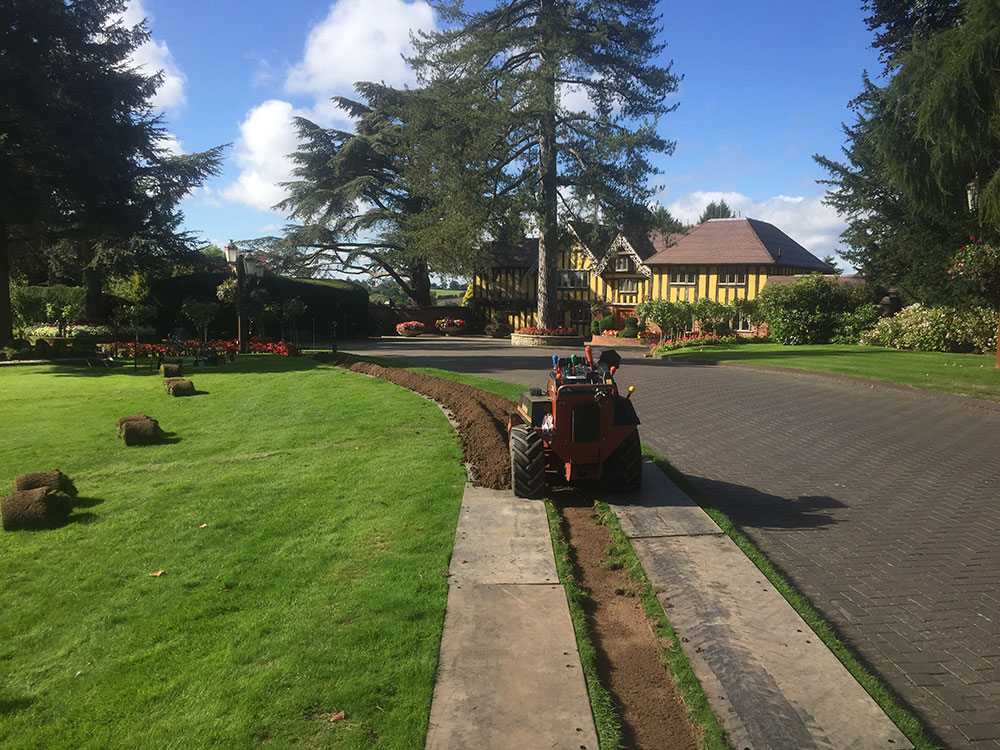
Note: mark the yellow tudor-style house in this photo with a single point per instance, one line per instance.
(722, 259)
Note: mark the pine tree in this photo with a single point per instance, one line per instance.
(713, 210)
(512, 140)
(920, 142)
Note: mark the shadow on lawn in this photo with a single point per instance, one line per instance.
(10, 704)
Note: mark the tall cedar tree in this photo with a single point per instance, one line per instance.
(350, 195)
(82, 165)
(360, 208)
(510, 74)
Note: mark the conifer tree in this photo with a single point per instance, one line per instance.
(83, 169)
(512, 135)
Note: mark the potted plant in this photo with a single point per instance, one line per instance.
(410, 328)
(450, 326)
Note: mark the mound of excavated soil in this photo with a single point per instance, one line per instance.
(481, 417)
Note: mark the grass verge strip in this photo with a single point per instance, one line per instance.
(606, 716)
(622, 555)
(909, 724)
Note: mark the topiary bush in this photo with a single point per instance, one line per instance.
(631, 329)
(607, 323)
(936, 329)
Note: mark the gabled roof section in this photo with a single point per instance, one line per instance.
(523, 255)
(595, 239)
(737, 241)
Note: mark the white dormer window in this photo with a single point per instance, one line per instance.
(623, 263)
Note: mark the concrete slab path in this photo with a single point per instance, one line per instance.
(770, 680)
(509, 674)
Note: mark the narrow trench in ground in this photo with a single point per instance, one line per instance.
(629, 664)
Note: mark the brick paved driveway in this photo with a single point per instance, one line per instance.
(881, 505)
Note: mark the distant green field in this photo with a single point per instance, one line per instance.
(965, 374)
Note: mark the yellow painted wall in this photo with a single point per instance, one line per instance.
(515, 290)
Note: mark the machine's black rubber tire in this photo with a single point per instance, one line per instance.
(623, 468)
(527, 462)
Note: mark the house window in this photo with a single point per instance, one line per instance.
(682, 275)
(623, 263)
(627, 286)
(570, 278)
(735, 277)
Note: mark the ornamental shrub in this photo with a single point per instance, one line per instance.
(630, 329)
(936, 329)
(815, 310)
(803, 312)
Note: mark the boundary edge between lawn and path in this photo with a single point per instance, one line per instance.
(980, 403)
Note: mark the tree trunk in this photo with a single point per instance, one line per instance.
(420, 284)
(548, 228)
(94, 298)
(6, 316)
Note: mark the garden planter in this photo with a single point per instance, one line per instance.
(451, 330)
(409, 334)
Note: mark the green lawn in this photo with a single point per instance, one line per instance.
(329, 502)
(966, 374)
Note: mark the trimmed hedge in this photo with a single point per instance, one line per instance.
(327, 301)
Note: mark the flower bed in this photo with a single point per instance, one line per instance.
(697, 338)
(537, 331)
(616, 341)
(195, 348)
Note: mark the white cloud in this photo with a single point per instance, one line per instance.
(359, 40)
(171, 144)
(805, 219)
(267, 136)
(204, 196)
(155, 57)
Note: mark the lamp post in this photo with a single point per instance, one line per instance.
(246, 267)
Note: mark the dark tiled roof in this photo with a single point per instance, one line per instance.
(737, 241)
(524, 255)
(643, 245)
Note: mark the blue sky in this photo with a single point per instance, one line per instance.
(766, 85)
